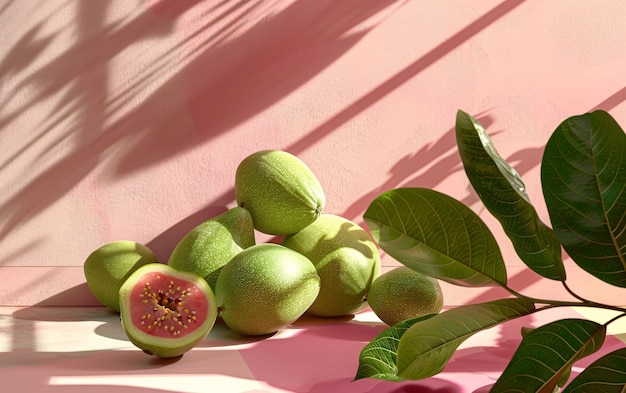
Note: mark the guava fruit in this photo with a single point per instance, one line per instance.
(265, 288)
(206, 248)
(107, 267)
(346, 259)
(279, 190)
(166, 312)
(403, 293)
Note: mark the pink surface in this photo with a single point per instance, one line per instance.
(75, 349)
(126, 120)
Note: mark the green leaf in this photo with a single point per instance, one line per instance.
(583, 174)
(503, 193)
(427, 346)
(546, 353)
(436, 235)
(605, 375)
(565, 375)
(378, 358)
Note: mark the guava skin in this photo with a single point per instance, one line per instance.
(279, 190)
(265, 288)
(107, 267)
(209, 246)
(166, 312)
(346, 259)
(403, 293)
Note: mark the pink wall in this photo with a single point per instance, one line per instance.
(127, 119)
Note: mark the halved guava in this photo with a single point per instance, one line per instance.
(166, 312)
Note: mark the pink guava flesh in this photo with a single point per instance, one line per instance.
(168, 307)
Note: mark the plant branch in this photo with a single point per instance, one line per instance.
(561, 303)
(615, 318)
(571, 292)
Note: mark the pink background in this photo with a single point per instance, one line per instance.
(127, 119)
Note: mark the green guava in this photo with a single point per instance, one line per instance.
(206, 248)
(166, 312)
(279, 190)
(403, 293)
(107, 267)
(265, 288)
(346, 259)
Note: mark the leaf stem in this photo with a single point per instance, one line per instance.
(561, 303)
(615, 318)
(574, 294)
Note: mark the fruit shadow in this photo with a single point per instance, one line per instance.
(220, 335)
(44, 312)
(26, 347)
(318, 354)
(23, 326)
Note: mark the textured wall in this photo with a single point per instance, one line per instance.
(127, 119)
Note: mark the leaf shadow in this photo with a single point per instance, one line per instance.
(409, 170)
(289, 48)
(401, 171)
